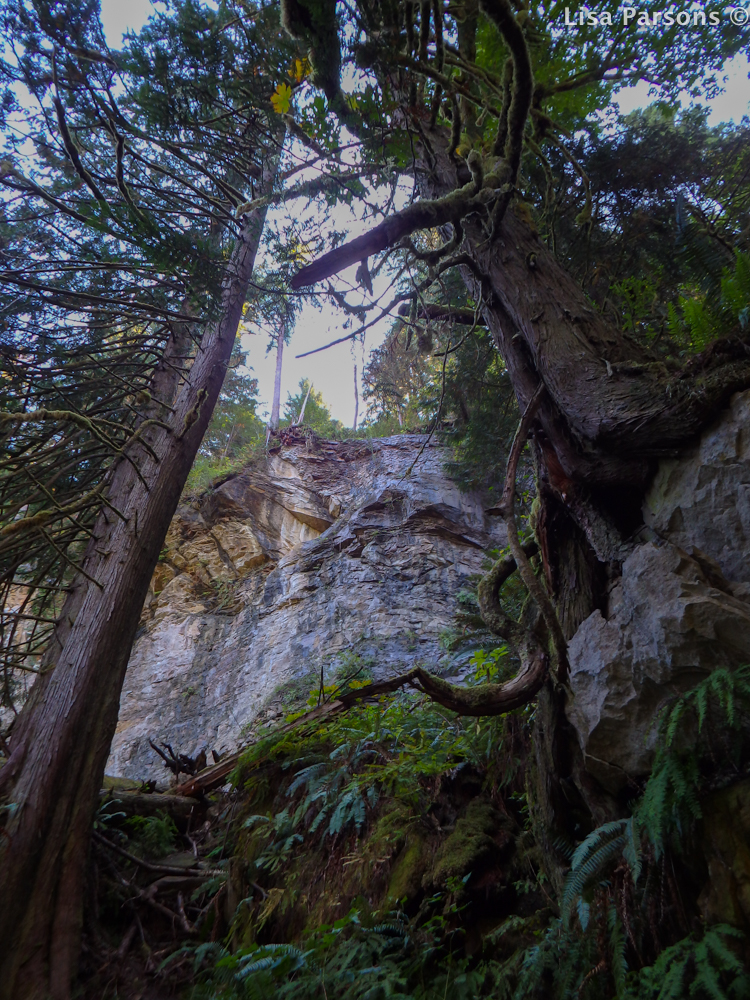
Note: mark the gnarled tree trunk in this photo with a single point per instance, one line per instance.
(59, 747)
(607, 414)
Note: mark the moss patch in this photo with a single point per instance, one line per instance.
(471, 844)
(409, 870)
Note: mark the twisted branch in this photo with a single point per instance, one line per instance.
(506, 508)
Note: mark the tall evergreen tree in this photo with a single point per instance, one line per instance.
(130, 232)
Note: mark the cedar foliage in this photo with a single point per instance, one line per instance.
(119, 212)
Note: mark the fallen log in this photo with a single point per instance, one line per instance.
(178, 806)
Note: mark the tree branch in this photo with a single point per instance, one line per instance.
(488, 592)
(433, 310)
(483, 700)
(499, 11)
(426, 214)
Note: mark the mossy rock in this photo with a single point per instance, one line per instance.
(111, 783)
(725, 842)
(470, 846)
(410, 868)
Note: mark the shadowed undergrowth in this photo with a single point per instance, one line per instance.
(390, 853)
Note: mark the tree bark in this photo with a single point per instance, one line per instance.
(607, 414)
(356, 399)
(50, 784)
(276, 408)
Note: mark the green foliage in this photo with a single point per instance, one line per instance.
(236, 435)
(561, 966)
(703, 730)
(281, 840)
(699, 318)
(368, 957)
(703, 967)
(393, 748)
(697, 731)
(153, 836)
(328, 782)
(405, 380)
(362, 956)
(488, 665)
(120, 174)
(591, 858)
(669, 197)
(317, 415)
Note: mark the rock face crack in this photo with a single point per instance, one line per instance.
(680, 608)
(321, 556)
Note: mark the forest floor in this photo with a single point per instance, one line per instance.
(394, 850)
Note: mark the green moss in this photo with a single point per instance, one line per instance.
(410, 868)
(120, 784)
(471, 843)
(391, 829)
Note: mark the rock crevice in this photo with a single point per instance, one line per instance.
(680, 608)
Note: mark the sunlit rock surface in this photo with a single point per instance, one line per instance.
(680, 608)
(328, 555)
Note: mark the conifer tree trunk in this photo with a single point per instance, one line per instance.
(49, 786)
(276, 408)
(356, 398)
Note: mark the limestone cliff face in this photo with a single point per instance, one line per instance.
(326, 556)
(680, 609)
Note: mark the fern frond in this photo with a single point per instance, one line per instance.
(590, 859)
(305, 776)
(617, 946)
(350, 808)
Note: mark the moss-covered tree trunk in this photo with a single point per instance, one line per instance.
(59, 747)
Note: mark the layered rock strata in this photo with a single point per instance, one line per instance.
(332, 557)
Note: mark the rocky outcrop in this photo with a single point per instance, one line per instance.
(669, 625)
(702, 500)
(679, 609)
(332, 557)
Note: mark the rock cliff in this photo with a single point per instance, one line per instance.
(680, 608)
(324, 557)
(342, 557)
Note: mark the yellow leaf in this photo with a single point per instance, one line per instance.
(300, 69)
(281, 98)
